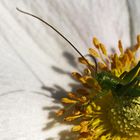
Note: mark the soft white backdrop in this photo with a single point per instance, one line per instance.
(32, 56)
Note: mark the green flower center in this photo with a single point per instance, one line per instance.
(124, 115)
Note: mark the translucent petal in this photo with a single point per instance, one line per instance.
(33, 56)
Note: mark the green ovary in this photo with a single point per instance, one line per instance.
(124, 115)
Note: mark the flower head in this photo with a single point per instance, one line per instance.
(107, 105)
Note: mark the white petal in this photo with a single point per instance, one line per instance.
(34, 52)
(21, 113)
(80, 20)
(134, 12)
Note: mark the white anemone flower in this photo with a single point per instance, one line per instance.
(33, 56)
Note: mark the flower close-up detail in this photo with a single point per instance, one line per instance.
(107, 104)
(50, 92)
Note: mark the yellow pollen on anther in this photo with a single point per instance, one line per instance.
(97, 113)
